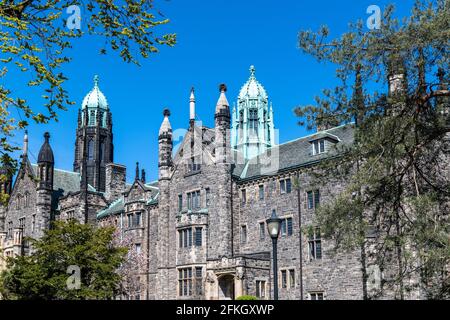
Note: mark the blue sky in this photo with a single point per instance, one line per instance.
(217, 42)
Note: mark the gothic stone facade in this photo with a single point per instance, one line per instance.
(201, 225)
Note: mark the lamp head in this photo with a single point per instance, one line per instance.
(274, 225)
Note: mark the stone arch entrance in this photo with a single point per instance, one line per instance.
(226, 287)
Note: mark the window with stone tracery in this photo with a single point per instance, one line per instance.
(185, 282)
(92, 118)
(27, 200)
(91, 150)
(253, 119)
(260, 289)
(101, 118)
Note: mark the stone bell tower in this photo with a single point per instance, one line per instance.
(94, 129)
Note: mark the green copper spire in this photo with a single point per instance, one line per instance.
(253, 127)
(95, 103)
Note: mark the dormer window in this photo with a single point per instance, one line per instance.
(323, 142)
(318, 146)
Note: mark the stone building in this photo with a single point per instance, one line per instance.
(201, 225)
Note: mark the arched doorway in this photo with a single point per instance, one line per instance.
(226, 287)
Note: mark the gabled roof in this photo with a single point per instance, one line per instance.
(324, 135)
(152, 186)
(207, 142)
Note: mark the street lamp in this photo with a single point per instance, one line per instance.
(273, 226)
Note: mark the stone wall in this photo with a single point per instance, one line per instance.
(22, 205)
(338, 277)
(73, 206)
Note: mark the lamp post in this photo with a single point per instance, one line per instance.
(273, 226)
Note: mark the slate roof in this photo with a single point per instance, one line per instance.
(114, 208)
(153, 184)
(63, 183)
(293, 154)
(66, 181)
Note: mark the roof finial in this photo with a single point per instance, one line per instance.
(25, 143)
(192, 107)
(166, 112)
(46, 136)
(137, 171)
(223, 87)
(96, 81)
(252, 71)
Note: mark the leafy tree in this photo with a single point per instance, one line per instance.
(396, 203)
(35, 37)
(44, 273)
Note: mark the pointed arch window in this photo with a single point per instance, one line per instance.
(92, 118)
(101, 118)
(18, 201)
(27, 200)
(43, 173)
(253, 119)
(102, 150)
(91, 149)
(80, 150)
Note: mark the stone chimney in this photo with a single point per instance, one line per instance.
(115, 181)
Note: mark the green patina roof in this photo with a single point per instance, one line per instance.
(118, 206)
(114, 208)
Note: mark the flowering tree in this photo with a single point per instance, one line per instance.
(133, 265)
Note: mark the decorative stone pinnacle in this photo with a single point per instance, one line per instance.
(252, 71)
(166, 112)
(137, 171)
